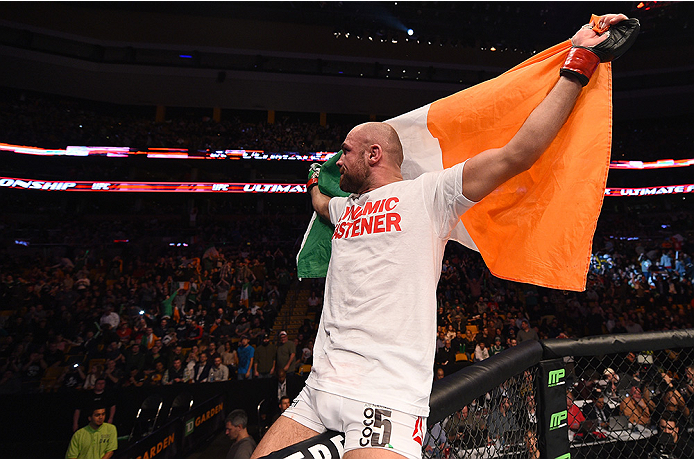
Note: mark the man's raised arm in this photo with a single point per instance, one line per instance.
(486, 171)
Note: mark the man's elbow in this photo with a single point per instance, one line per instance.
(520, 160)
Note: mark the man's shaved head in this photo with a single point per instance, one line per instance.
(385, 135)
(371, 156)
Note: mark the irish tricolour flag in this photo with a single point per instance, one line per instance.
(538, 227)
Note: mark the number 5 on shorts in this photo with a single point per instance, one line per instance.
(380, 422)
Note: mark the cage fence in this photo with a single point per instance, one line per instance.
(503, 422)
(634, 404)
(628, 405)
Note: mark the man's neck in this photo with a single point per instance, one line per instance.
(243, 434)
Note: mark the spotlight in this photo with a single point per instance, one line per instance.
(410, 32)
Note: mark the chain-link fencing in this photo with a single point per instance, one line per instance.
(501, 422)
(633, 404)
(619, 404)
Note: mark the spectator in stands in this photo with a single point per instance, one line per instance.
(201, 370)
(265, 358)
(610, 384)
(469, 344)
(632, 326)
(575, 417)
(445, 357)
(246, 354)
(110, 317)
(195, 331)
(175, 374)
(284, 403)
(113, 352)
(32, 369)
(92, 397)
(672, 400)
(236, 430)
(434, 441)
(501, 421)
(687, 386)
(219, 371)
(10, 383)
(212, 351)
(286, 353)
(630, 369)
(229, 358)
(531, 445)
(527, 333)
(175, 352)
(135, 358)
(53, 356)
(598, 410)
(481, 352)
(314, 301)
(465, 429)
(497, 346)
(113, 374)
(440, 338)
(672, 442)
(134, 378)
(149, 338)
(637, 409)
(99, 439)
(155, 377)
(288, 384)
(95, 372)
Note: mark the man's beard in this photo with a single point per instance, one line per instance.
(352, 182)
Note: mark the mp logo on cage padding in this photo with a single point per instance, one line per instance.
(558, 420)
(556, 378)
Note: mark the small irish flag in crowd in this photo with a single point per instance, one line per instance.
(536, 228)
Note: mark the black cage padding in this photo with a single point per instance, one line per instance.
(462, 387)
(614, 344)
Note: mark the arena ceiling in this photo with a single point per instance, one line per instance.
(334, 57)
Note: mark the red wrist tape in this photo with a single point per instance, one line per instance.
(313, 181)
(581, 63)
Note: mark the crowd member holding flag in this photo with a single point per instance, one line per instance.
(374, 352)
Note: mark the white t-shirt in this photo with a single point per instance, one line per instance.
(377, 335)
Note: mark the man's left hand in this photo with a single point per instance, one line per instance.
(588, 36)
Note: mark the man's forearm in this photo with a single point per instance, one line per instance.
(320, 203)
(544, 123)
(486, 171)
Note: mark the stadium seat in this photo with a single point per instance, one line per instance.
(305, 368)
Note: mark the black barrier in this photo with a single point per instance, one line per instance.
(462, 387)
(202, 422)
(164, 443)
(328, 445)
(613, 344)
